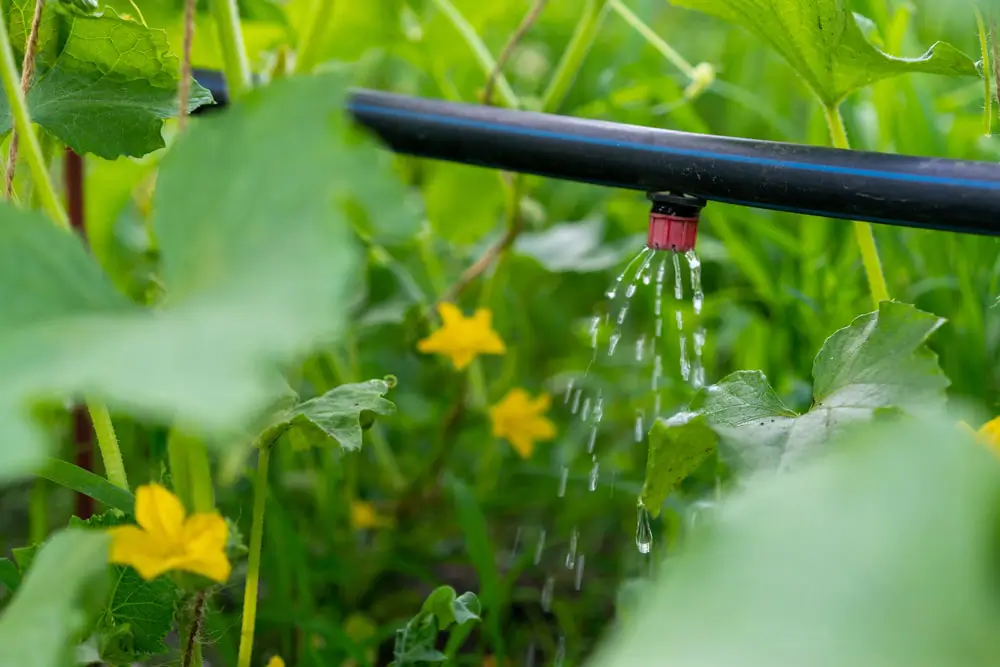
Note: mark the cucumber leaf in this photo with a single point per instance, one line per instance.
(824, 44)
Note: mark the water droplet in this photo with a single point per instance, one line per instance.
(640, 348)
(517, 542)
(613, 343)
(639, 431)
(595, 472)
(613, 292)
(678, 284)
(599, 407)
(576, 401)
(685, 361)
(571, 554)
(529, 657)
(592, 441)
(657, 372)
(659, 328)
(585, 413)
(629, 293)
(540, 547)
(548, 590)
(560, 652)
(578, 584)
(661, 271)
(643, 533)
(569, 390)
(680, 320)
(562, 481)
(657, 407)
(695, 265)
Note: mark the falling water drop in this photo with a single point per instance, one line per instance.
(685, 360)
(695, 265)
(592, 441)
(643, 533)
(548, 590)
(529, 657)
(630, 292)
(680, 320)
(585, 413)
(678, 284)
(659, 328)
(574, 538)
(564, 477)
(599, 407)
(578, 584)
(698, 377)
(613, 342)
(613, 292)
(540, 547)
(639, 431)
(560, 652)
(517, 542)
(640, 348)
(569, 390)
(576, 401)
(595, 472)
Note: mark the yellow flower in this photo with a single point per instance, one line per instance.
(166, 540)
(463, 338)
(988, 434)
(276, 661)
(365, 517)
(519, 419)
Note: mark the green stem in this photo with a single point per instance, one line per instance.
(312, 42)
(862, 230)
(253, 560)
(483, 56)
(30, 148)
(657, 42)
(107, 442)
(572, 58)
(190, 472)
(984, 45)
(234, 54)
(191, 631)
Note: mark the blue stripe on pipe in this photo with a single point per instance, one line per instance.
(681, 152)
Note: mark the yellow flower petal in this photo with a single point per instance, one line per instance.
(275, 661)
(518, 418)
(990, 433)
(462, 338)
(450, 313)
(159, 511)
(133, 546)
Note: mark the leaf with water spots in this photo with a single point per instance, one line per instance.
(824, 44)
(677, 447)
(878, 363)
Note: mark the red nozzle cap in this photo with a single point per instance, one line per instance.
(671, 232)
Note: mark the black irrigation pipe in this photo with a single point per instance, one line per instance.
(903, 190)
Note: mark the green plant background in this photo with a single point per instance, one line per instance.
(465, 510)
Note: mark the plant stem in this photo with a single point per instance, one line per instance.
(862, 230)
(191, 630)
(190, 471)
(572, 58)
(114, 468)
(312, 42)
(234, 54)
(22, 125)
(508, 49)
(253, 560)
(984, 45)
(657, 42)
(479, 50)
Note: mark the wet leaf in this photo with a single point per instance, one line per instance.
(878, 362)
(258, 262)
(45, 619)
(677, 447)
(103, 84)
(883, 553)
(340, 412)
(822, 41)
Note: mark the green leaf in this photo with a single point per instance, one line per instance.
(103, 84)
(9, 575)
(449, 609)
(49, 613)
(822, 41)
(140, 613)
(85, 482)
(339, 412)
(878, 362)
(574, 246)
(677, 447)
(258, 261)
(883, 553)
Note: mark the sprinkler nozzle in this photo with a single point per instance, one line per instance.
(673, 221)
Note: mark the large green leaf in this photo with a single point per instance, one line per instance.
(879, 361)
(258, 263)
(677, 447)
(881, 555)
(822, 41)
(339, 412)
(103, 84)
(49, 613)
(415, 641)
